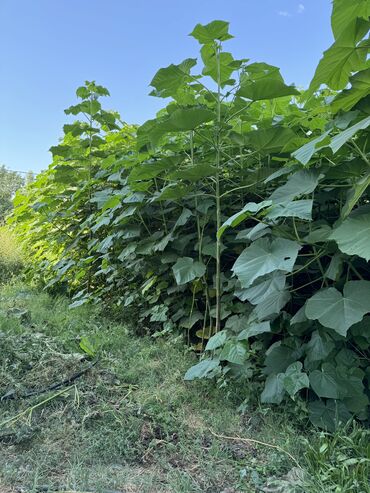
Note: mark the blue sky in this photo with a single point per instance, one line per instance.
(49, 47)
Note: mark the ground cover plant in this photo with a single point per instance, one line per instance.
(130, 423)
(239, 214)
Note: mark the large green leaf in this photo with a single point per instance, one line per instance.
(300, 183)
(354, 195)
(325, 382)
(305, 153)
(251, 234)
(215, 30)
(180, 119)
(263, 287)
(269, 294)
(237, 323)
(173, 191)
(274, 390)
(353, 235)
(342, 58)
(335, 267)
(168, 80)
(273, 139)
(189, 118)
(318, 347)
(295, 379)
(150, 132)
(298, 208)
(265, 256)
(183, 218)
(329, 414)
(146, 171)
(216, 341)
(319, 234)
(234, 352)
(343, 137)
(263, 81)
(271, 304)
(337, 311)
(193, 173)
(212, 62)
(202, 369)
(360, 88)
(254, 329)
(278, 358)
(186, 270)
(248, 210)
(346, 12)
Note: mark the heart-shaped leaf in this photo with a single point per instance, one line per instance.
(337, 311)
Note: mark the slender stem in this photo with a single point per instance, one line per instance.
(360, 152)
(324, 280)
(89, 190)
(240, 188)
(144, 223)
(196, 199)
(304, 285)
(161, 208)
(296, 231)
(306, 264)
(353, 268)
(218, 195)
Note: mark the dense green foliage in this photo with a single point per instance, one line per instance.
(239, 214)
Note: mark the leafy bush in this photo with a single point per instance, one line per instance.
(239, 214)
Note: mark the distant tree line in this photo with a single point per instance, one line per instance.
(10, 182)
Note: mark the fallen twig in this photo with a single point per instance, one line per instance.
(258, 442)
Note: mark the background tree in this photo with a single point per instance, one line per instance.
(30, 177)
(10, 182)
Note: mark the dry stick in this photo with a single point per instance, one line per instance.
(258, 442)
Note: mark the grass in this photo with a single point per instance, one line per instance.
(10, 255)
(131, 424)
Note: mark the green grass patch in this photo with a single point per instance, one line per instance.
(130, 423)
(11, 259)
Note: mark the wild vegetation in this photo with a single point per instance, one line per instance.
(239, 215)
